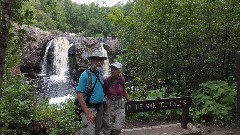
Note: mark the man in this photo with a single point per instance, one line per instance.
(91, 104)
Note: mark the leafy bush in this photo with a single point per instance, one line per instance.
(66, 122)
(57, 119)
(215, 102)
(17, 104)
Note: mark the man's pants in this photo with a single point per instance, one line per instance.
(93, 129)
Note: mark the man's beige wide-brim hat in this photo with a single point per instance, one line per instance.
(97, 54)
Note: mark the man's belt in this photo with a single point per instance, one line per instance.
(92, 105)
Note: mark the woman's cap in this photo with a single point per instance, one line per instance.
(117, 64)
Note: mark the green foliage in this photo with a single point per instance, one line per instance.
(66, 122)
(155, 94)
(183, 43)
(155, 115)
(59, 119)
(18, 106)
(169, 47)
(26, 14)
(215, 102)
(64, 15)
(18, 110)
(17, 103)
(46, 14)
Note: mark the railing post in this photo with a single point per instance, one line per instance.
(238, 86)
(185, 117)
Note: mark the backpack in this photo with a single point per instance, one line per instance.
(78, 109)
(111, 82)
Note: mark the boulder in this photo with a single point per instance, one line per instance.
(36, 41)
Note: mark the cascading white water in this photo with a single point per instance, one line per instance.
(54, 81)
(60, 62)
(44, 65)
(58, 85)
(106, 62)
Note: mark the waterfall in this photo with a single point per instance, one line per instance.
(44, 65)
(60, 60)
(54, 81)
(106, 62)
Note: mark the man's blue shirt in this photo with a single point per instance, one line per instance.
(97, 94)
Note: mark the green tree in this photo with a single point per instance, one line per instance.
(9, 10)
(183, 43)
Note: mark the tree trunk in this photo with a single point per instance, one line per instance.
(4, 35)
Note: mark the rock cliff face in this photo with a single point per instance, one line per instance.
(36, 41)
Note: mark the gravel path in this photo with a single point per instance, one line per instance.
(164, 127)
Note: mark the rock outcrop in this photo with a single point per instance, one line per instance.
(36, 41)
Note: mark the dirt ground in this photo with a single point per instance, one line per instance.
(205, 129)
(218, 130)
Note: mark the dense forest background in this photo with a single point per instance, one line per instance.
(66, 16)
(169, 48)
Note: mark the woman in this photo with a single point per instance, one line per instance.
(114, 113)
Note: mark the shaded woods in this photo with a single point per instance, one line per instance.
(183, 43)
(169, 48)
(5, 26)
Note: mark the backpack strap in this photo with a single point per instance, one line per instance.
(90, 89)
(88, 94)
(89, 80)
(97, 77)
(111, 82)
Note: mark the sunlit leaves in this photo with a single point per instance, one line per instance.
(215, 100)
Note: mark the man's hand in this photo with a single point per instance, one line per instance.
(90, 117)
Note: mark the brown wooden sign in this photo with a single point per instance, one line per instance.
(159, 104)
